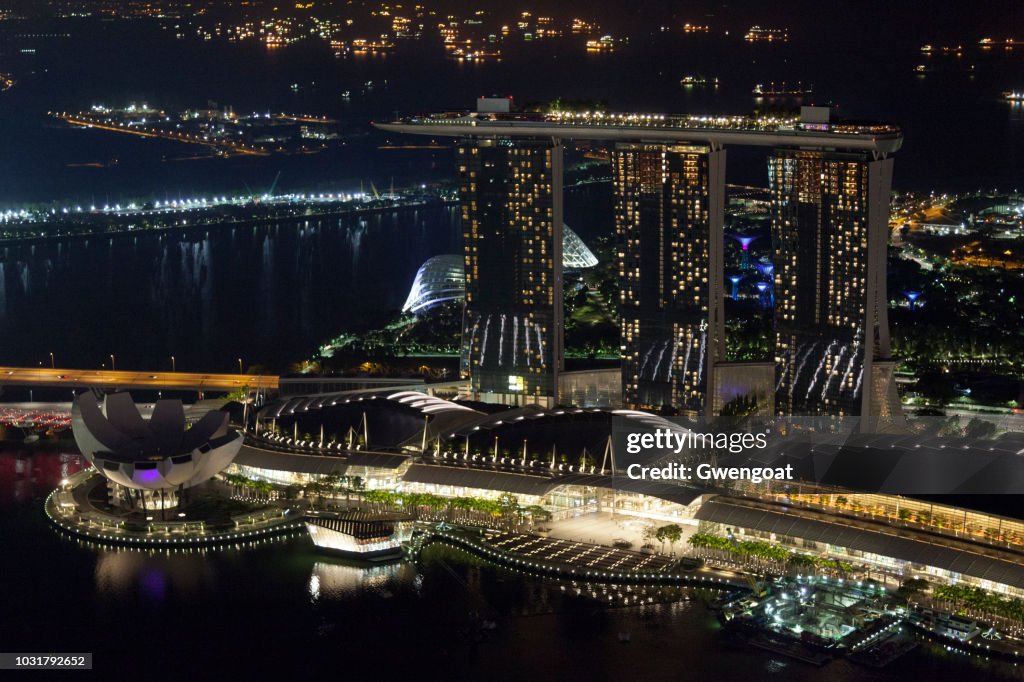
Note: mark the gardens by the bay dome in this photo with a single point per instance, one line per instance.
(442, 278)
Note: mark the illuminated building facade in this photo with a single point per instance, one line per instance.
(511, 195)
(829, 233)
(669, 220)
(831, 182)
(441, 279)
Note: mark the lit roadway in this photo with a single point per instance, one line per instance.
(92, 378)
(188, 138)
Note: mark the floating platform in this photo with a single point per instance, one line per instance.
(360, 535)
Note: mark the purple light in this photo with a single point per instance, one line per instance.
(154, 584)
(147, 475)
(745, 242)
(761, 286)
(766, 269)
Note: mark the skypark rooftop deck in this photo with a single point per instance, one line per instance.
(717, 131)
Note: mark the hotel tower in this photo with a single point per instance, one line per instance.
(830, 213)
(670, 235)
(511, 196)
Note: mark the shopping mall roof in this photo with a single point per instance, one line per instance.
(316, 464)
(924, 550)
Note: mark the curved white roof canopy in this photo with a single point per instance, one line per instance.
(443, 278)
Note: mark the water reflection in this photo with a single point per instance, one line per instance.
(192, 293)
(338, 581)
(26, 474)
(153, 576)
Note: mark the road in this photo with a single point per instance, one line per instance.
(188, 138)
(92, 378)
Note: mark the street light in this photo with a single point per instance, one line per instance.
(53, 364)
(113, 363)
(240, 371)
(174, 366)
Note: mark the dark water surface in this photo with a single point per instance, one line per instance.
(269, 293)
(959, 132)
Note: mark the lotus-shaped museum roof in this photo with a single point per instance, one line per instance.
(159, 453)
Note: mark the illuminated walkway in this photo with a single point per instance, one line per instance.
(595, 557)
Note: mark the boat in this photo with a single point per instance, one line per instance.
(791, 648)
(885, 651)
(1014, 96)
(697, 81)
(782, 89)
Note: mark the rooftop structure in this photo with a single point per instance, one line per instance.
(880, 139)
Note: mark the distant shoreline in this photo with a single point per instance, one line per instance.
(214, 220)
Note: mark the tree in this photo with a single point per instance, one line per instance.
(537, 514)
(673, 533)
(312, 490)
(649, 535)
(508, 505)
(912, 586)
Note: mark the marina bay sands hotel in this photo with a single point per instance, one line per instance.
(830, 188)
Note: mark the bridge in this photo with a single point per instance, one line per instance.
(92, 378)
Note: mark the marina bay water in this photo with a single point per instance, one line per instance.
(75, 596)
(268, 292)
